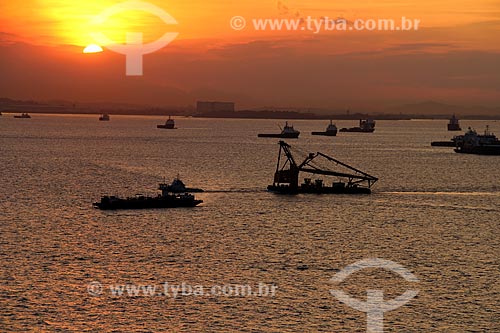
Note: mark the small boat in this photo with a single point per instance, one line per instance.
(331, 130)
(473, 143)
(163, 200)
(104, 117)
(454, 124)
(288, 132)
(23, 116)
(365, 126)
(178, 186)
(169, 124)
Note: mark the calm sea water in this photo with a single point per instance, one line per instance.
(435, 212)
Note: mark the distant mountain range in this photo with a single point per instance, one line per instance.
(428, 109)
(434, 108)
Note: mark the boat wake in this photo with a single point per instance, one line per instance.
(243, 190)
(442, 193)
(442, 200)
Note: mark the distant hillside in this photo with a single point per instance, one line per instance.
(408, 111)
(434, 108)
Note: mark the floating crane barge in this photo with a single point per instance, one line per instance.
(286, 177)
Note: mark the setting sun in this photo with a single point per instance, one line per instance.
(92, 48)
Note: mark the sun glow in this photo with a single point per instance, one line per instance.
(58, 22)
(92, 48)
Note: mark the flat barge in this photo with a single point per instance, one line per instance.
(163, 200)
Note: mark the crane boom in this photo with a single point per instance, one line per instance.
(286, 177)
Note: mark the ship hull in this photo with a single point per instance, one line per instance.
(481, 150)
(454, 128)
(330, 133)
(318, 190)
(443, 144)
(357, 130)
(107, 203)
(166, 127)
(282, 136)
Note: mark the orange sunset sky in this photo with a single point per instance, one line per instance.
(453, 58)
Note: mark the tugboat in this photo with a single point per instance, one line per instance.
(454, 124)
(288, 132)
(104, 117)
(286, 177)
(163, 200)
(169, 124)
(365, 126)
(473, 143)
(178, 186)
(331, 130)
(23, 116)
